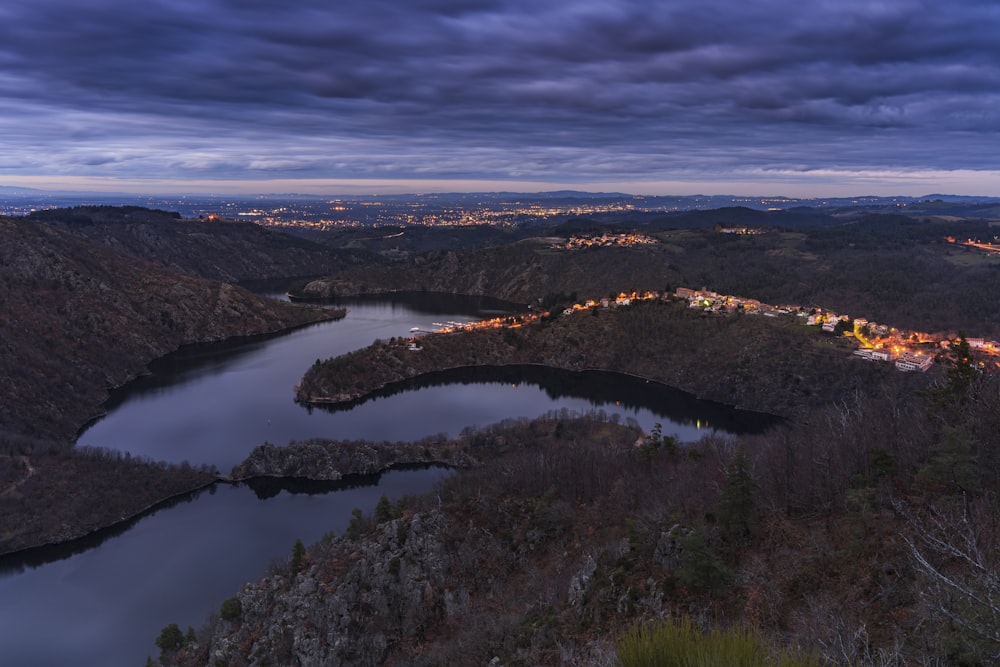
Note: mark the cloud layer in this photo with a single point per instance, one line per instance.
(573, 92)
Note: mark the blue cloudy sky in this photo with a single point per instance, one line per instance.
(817, 97)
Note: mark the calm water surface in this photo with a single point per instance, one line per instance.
(106, 605)
(214, 408)
(104, 601)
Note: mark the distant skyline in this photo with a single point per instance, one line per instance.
(830, 98)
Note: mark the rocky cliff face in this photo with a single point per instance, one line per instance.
(489, 568)
(78, 318)
(546, 553)
(425, 588)
(351, 607)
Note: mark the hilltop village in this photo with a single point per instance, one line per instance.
(606, 240)
(907, 350)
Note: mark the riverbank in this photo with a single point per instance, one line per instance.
(296, 464)
(78, 492)
(760, 364)
(314, 460)
(192, 351)
(74, 492)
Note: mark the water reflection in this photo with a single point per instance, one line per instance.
(214, 409)
(27, 559)
(601, 389)
(106, 597)
(103, 601)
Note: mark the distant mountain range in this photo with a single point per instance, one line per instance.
(22, 196)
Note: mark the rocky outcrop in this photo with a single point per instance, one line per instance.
(350, 608)
(485, 568)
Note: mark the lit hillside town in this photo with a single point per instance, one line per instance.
(606, 241)
(906, 350)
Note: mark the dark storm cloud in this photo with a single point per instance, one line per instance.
(543, 89)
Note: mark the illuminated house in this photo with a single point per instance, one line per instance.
(910, 361)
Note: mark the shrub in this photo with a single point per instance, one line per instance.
(231, 610)
(677, 643)
(171, 639)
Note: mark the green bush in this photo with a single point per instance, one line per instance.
(231, 610)
(171, 639)
(678, 643)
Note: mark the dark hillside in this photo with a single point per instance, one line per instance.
(78, 318)
(892, 269)
(792, 218)
(864, 532)
(523, 272)
(764, 364)
(737, 215)
(216, 249)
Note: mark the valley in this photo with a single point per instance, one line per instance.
(562, 530)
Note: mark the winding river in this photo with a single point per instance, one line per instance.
(104, 599)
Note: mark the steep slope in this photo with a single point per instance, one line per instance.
(78, 317)
(865, 531)
(217, 249)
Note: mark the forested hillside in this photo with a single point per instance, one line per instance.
(217, 249)
(79, 317)
(893, 269)
(764, 364)
(863, 533)
(863, 530)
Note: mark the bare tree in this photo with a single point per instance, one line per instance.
(955, 549)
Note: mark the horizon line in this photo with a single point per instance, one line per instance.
(6, 190)
(814, 184)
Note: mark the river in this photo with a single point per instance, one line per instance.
(103, 601)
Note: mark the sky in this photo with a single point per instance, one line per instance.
(766, 97)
